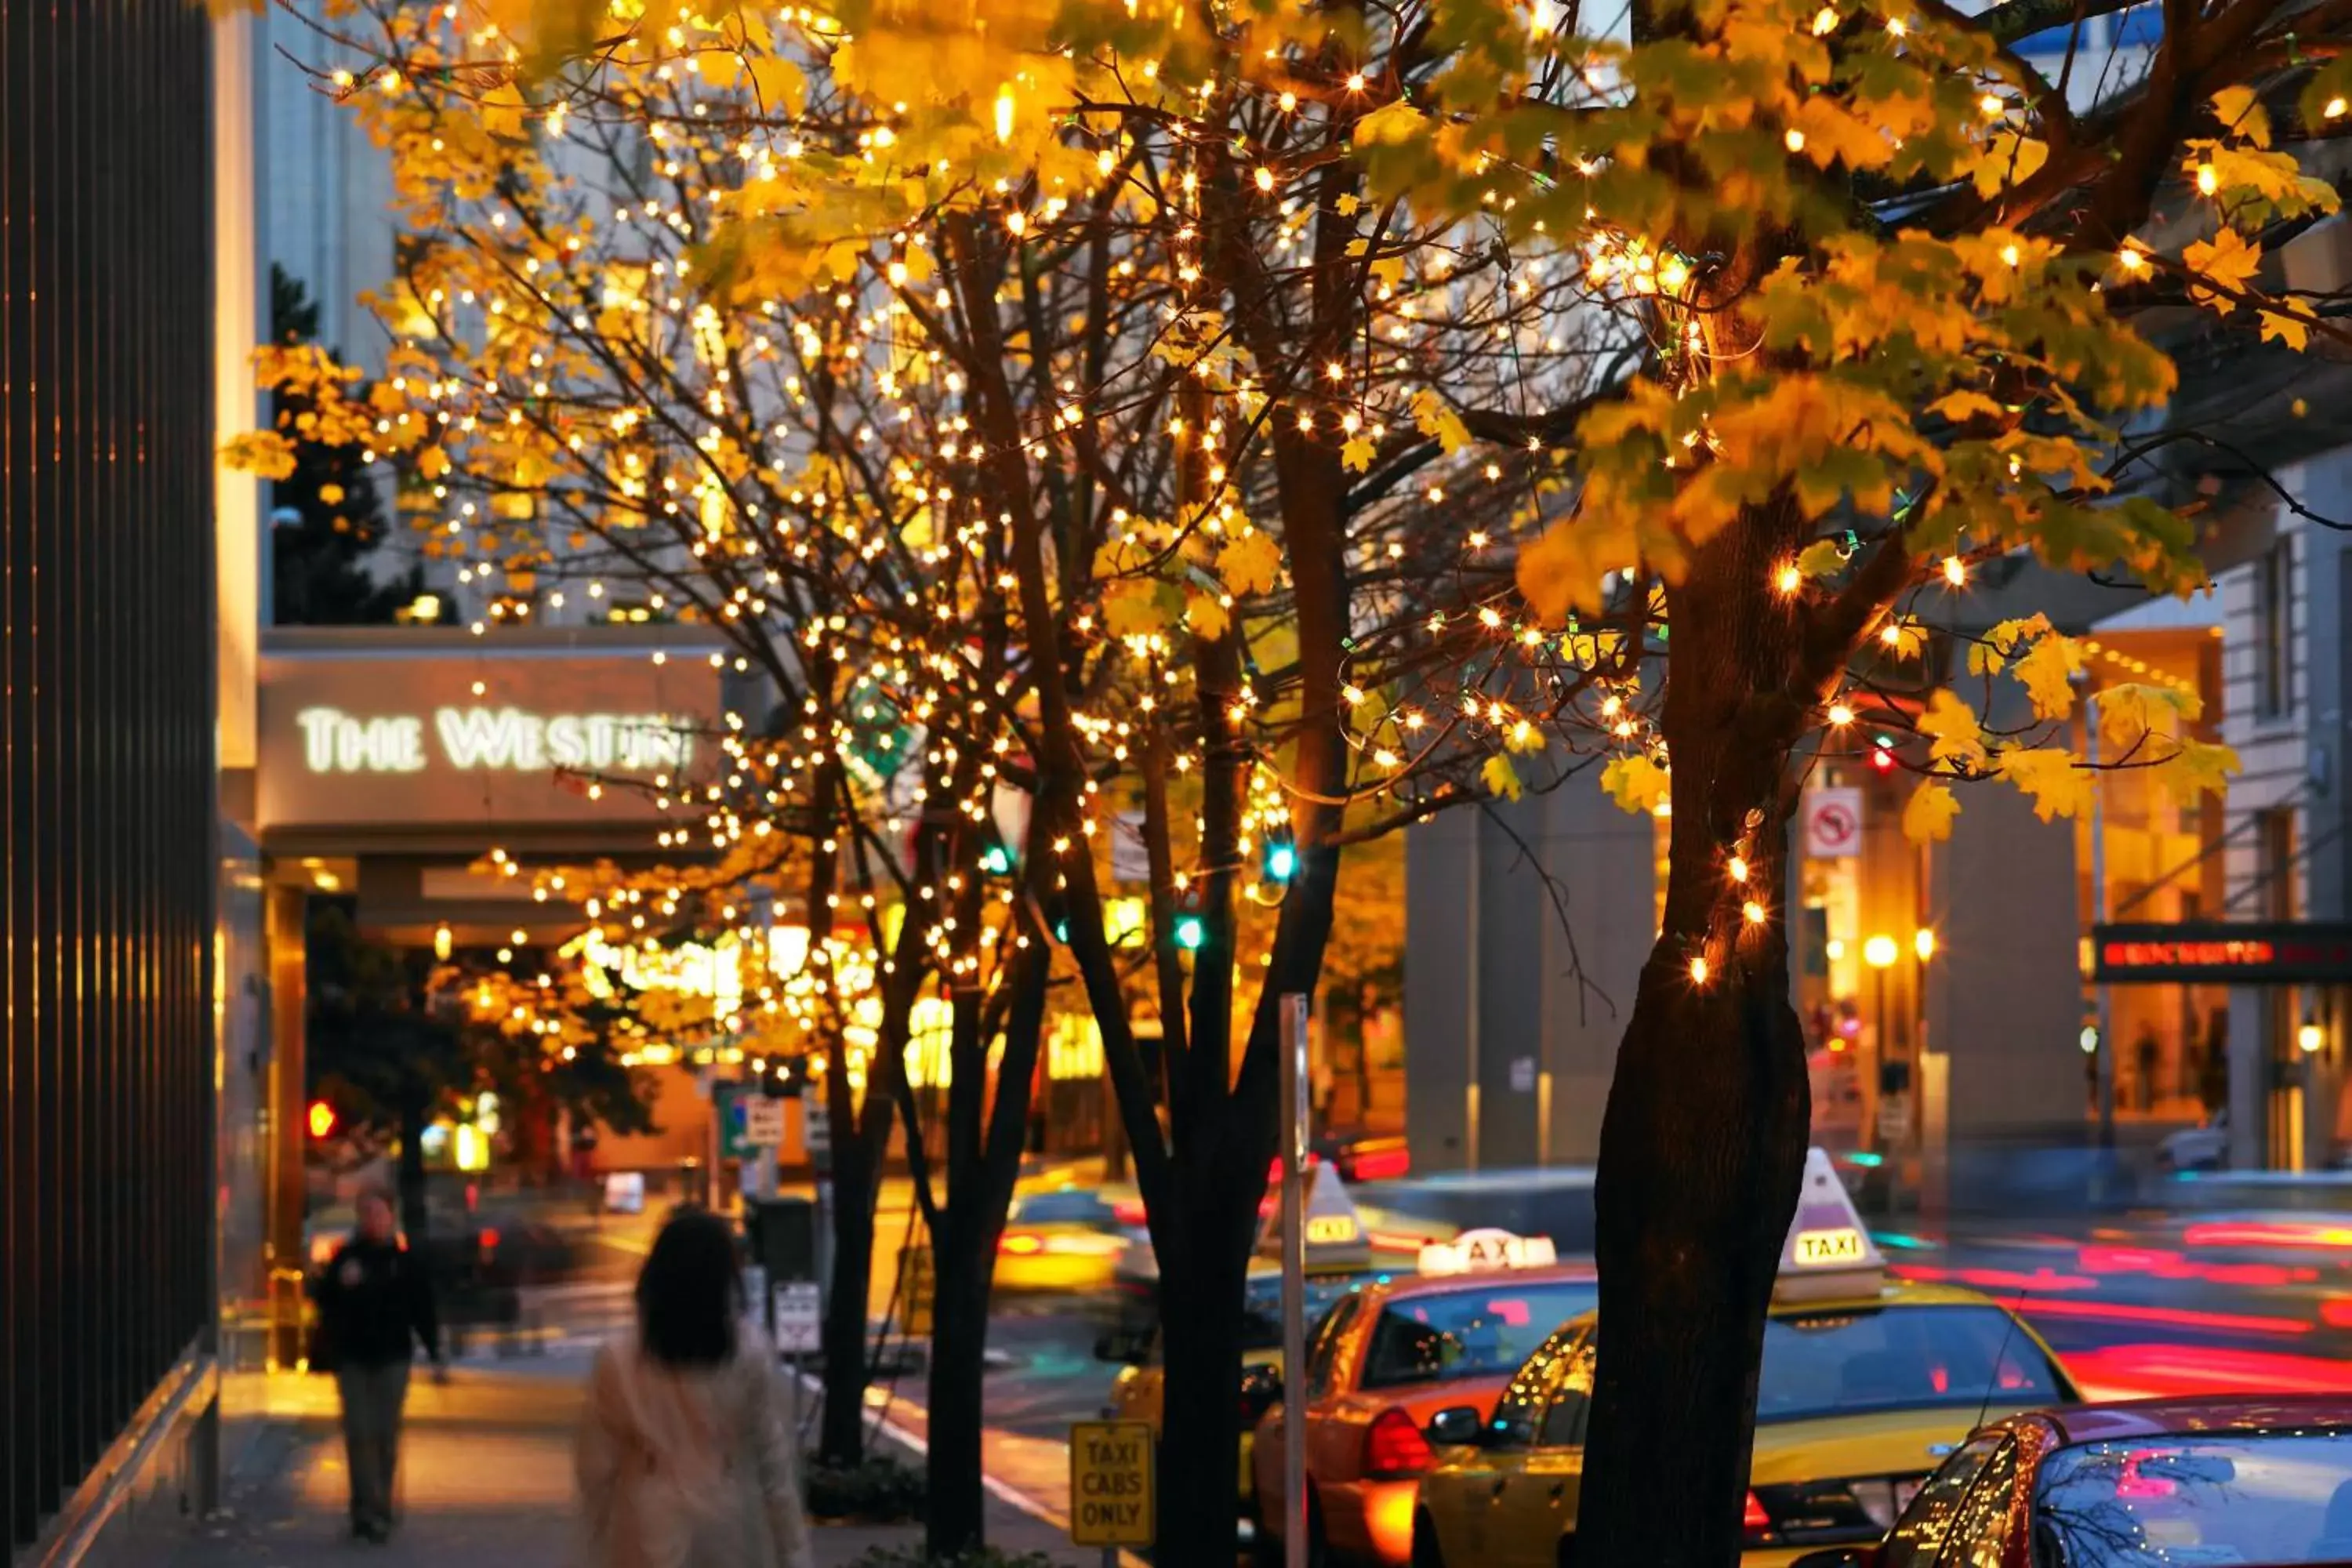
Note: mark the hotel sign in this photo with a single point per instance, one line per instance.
(2213, 952)
(369, 734)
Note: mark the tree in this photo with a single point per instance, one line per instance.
(399, 1037)
(1301, 419)
(321, 559)
(1890, 274)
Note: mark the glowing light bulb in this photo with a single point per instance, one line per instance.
(1956, 570)
(1699, 971)
(1841, 714)
(1738, 868)
(1795, 140)
(1825, 21)
(2208, 182)
(2333, 109)
(1753, 912)
(1788, 579)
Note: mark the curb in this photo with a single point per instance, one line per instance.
(1011, 1496)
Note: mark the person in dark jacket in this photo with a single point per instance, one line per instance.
(375, 1305)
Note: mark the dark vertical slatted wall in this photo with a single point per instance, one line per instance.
(106, 725)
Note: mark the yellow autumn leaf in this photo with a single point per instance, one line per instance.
(1928, 815)
(331, 494)
(2240, 110)
(1501, 778)
(1357, 455)
(433, 462)
(2199, 767)
(1951, 725)
(1208, 617)
(2288, 322)
(1252, 564)
(2131, 712)
(2050, 778)
(1432, 416)
(2047, 670)
(265, 454)
(1562, 569)
(1636, 783)
(2225, 261)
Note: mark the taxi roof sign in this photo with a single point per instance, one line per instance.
(1487, 1251)
(1829, 1252)
(1335, 1231)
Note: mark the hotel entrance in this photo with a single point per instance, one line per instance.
(2288, 981)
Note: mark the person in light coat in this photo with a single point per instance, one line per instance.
(684, 1458)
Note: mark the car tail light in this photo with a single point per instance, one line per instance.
(1128, 1211)
(1383, 1164)
(490, 1240)
(1754, 1521)
(1393, 1446)
(1021, 1245)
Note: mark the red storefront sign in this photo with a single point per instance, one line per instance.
(2268, 953)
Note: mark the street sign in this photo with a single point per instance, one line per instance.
(763, 1121)
(728, 1102)
(1110, 1483)
(916, 1287)
(1832, 822)
(800, 1316)
(1895, 1118)
(817, 1127)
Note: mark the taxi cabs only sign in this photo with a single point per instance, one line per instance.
(1110, 1483)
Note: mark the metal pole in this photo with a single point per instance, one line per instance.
(1295, 1082)
(2100, 994)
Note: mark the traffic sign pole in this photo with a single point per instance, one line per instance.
(1295, 1105)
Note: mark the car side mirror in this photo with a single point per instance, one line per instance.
(1456, 1427)
(1840, 1557)
(1261, 1391)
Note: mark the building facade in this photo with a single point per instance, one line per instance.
(107, 1101)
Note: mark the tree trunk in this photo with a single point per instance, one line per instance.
(1200, 1315)
(955, 1520)
(841, 1438)
(1703, 1142)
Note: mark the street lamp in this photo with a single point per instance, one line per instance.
(1923, 942)
(2311, 1036)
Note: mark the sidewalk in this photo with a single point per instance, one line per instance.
(484, 1482)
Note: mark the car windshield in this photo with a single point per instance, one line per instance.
(1897, 1358)
(1477, 1331)
(1054, 1208)
(1261, 1305)
(2154, 1503)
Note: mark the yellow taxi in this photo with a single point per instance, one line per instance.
(1866, 1387)
(1344, 1253)
(1068, 1237)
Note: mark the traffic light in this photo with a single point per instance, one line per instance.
(1190, 932)
(996, 860)
(322, 1119)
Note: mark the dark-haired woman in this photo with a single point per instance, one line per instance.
(685, 1459)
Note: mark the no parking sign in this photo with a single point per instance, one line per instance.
(1832, 822)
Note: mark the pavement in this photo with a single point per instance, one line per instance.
(485, 1482)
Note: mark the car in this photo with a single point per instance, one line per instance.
(1865, 1386)
(1140, 1392)
(2144, 1484)
(1551, 1200)
(2197, 1149)
(1067, 1239)
(1388, 1357)
(1341, 1255)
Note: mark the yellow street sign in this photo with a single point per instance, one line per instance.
(1110, 1483)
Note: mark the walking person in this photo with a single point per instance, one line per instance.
(375, 1306)
(684, 1457)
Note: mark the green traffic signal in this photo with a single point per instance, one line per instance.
(996, 860)
(1190, 932)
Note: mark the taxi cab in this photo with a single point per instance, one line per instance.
(1866, 1387)
(1391, 1354)
(1068, 1237)
(1344, 1253)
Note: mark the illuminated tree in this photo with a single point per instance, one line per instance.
(1294, 420)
